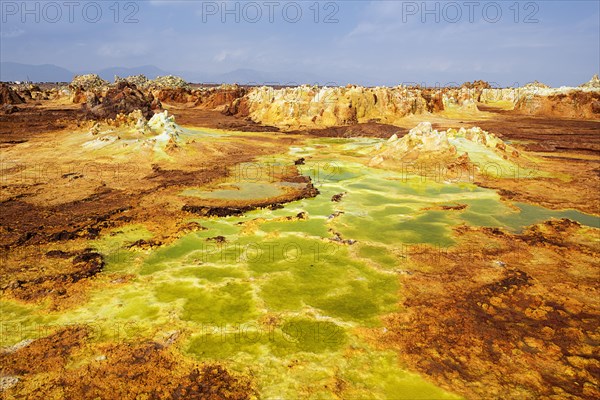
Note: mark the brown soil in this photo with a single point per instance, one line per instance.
(504, 315)
(148, 370)
(32, 119)
(370, 129)
(557, 134)
(199, 117)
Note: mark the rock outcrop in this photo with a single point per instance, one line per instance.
(538, 99)
(312, 106)
(9, 96)
(176, 95)
(123, 98)
(569, 104)
(225, 98)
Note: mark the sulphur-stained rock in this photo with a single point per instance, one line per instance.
(165, 123)
(538, 99)
(536, 85)
(87, 82)
(479, 84)
(9, 109)
(159, 132)
(312, 106)
(175, 95)
(87, 97)
(165, 82)
(134, 119)
(594, 83)
(464, 97)
(509, 95)
(434, 99)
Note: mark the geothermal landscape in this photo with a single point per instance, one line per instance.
(168, 240)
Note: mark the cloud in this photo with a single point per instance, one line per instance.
(12, 33)
(225, 55)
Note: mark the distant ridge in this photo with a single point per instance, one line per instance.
(11, 71)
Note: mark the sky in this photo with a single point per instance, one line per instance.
(362, 42)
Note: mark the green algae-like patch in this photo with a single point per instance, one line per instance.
(336, 285)
(529, 214)
(135, 307)
(20, 322)
(307, 335)
(225, 342)
(114, 247)
(210, 273)
(295, 335)
(381, 255)
(314, 226)
(226, 303)
(368, 376)
(229, 303)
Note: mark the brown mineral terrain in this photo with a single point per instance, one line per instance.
(127, 370)
(505, 315)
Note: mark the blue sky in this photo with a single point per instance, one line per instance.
(365, 42)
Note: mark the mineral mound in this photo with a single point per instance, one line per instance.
(87, 82)
(594, 83)
(165, 82)
(138, 80)
(471, 149)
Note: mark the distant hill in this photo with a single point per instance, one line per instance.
(11, 71)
